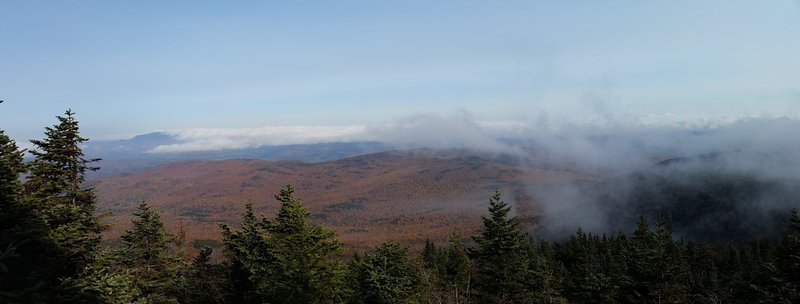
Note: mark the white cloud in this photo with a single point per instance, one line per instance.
(603, 141)
(214, 139)
(434, 131)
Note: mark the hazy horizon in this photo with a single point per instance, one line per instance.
(134, 68)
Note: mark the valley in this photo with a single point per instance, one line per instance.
(406, 196)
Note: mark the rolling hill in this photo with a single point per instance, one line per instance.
(399, 195)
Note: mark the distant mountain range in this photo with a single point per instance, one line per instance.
(134, 154)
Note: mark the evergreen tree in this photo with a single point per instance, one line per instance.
(448, 271)
(244, 249)
(207, 282)
(656, 266)
(545, 275)
(788, 262)
(501, 257)
(101, 282)
(703, 273)
(430, 254)
(385, 276)
(54, 189)
(146, 253)
(11, 167)
(458, 269)
(23, 242)
(288, 260)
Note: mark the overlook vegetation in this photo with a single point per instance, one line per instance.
(50, 252)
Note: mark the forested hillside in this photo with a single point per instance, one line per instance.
(51, 252)
(405, 196)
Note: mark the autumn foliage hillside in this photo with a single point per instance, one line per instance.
(405, 196)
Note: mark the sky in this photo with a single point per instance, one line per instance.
(132, 67)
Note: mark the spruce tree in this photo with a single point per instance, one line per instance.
(657, 266)
(243, 249)
(207, 282)
(11, 209)
(788, 261)
(501, 257)
(147, 254)
(289, 260)
(430, 254)
(54, 189)
(448, 271)
(386, 275)
(23, 241)
(104, 281)
(457, 270)
(11, 167)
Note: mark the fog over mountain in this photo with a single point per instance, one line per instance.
(710, 178)
(714, 181)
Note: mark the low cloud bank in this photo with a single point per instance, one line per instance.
(713, 182)
(746, 169)
(210, 139)
(715, 179)
(458, 131)
(591, 146)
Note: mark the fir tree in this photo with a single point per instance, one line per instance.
(11, 167)
(788, 262)
(244, 249)
(207, 282)
(23, 241)
(458, 269)
(501, 257)
(54, 189)
(289, 260)
(147, 254)
(101, 282)
(448, 271)
(656, 265)
(386, 276)
(430, 254)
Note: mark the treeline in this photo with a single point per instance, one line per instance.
(50, 252)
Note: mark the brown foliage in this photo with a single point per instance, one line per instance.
(369, 199)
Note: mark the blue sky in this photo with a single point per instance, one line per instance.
(129, 67)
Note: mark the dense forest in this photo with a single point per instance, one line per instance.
(51, 252)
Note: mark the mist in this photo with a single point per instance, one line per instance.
(218, 139)
(710, 180)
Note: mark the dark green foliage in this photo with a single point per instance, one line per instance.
(101, 282)
(656, 266)
(707, 198)
(430, 254)
(788, 262)
(146, 252)
(447, 272)
(54, 190)
(49, 229)
(11, 167)
(243, 248)
(23, 240)
(288, 260)
(651, 267)
(207, 282)
(545, 276)
(501, 257)
(58, 169)
(386, 275)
